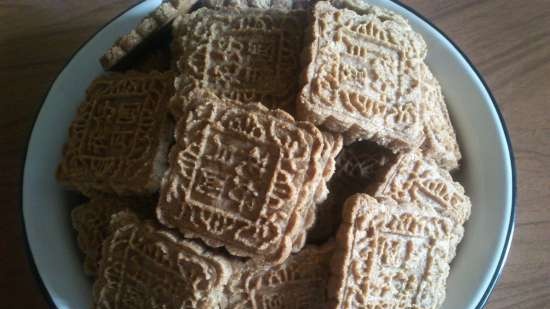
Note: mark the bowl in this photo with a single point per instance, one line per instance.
(488, 172)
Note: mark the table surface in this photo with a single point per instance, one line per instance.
(507, 40)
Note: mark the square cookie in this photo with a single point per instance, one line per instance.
(362, 76)
(91, 222)
(118, 141)
(249, 55)
(300, 282)
(241, 176)
(144, 266)
(389, 256)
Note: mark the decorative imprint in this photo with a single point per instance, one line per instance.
(391, 256)
(241, 176)
(146, 267)
(300, 282)
(247, 55)
(421, 182)
(363, 71)
(119, 138)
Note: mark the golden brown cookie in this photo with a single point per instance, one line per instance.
(362, 77)
(300, 282)
(389, 255)
(242, 176)
(144, 266)
(118, 141)
(249, 55)
(357, 166)
(440, 142)
(149, 27)
(421, 182)
(91, 221)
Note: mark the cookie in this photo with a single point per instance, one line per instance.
(300, 282)
(362, 77)
(148, 28)
(91, 221)
(241, 176)
(421, 182)
(249, 55)
(357, 166)
(118, 141)
(144, 266)
(389, 255)
(440, 143)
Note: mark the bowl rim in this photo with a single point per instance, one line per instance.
(510, 229)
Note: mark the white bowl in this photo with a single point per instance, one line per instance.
(488, 172)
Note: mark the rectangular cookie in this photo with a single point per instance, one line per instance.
(149, 27)
(241, 176)
(421, 182)
(249, 55)
(300, 282)
(144, 266)
(118, 141)
(389, 255)
(91, 222)
(362, 76)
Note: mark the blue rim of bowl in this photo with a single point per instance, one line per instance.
(507, 242)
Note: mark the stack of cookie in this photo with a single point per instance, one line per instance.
(277, 154)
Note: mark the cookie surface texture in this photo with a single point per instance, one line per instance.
(119, 138)
(300, 282)
(422, 182)
(362, 77)
(143, 266)
(389, 256)
(250, 55)
(241, 176)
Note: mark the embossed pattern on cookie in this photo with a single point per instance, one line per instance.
(440, 143)
(147, 27)
(91, 221)
(119, 138)
(143, 266)
(389, 256)
(250, 55)
(357, 166)
(241, 176)
(362, 77)
(420, 181)
(300, 282)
